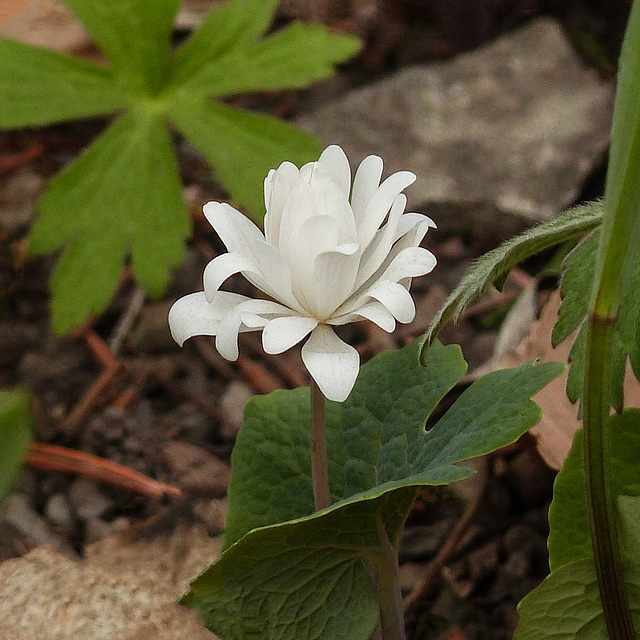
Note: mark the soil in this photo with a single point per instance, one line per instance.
(121, 389)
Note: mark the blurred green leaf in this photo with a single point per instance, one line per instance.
(110, 220)
(291, 58)
(134, 34)
(16, 432)
(229, 27)
(122, 198)
(39, 87)
(241, 146)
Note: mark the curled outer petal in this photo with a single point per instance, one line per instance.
(332, 363)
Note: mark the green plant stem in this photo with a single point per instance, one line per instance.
(388, 589)
(319, 464)
(600, 500)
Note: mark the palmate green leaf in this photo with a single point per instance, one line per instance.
(292, 58)
(16, 432)
(378, 454)
(493, 267)
(107, 219)
(135, 35)
(566, 606)
(576, 290)
(242, 147)
(230, 27)
(39, 87)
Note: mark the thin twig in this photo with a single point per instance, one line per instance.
(127, 320)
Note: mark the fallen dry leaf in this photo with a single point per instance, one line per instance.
(46, 23)
(554, 433)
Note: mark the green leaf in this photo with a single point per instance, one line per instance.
(292, 58)
(576, 289)
(134, 34)
(302, 579)
(566, 606)
(493, 267)
(569, 537)
(95, 207)
(40, 87)
(16, 432)
(379, 454)
(229, 27)
(242, 147)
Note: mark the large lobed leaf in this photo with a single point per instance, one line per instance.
(493, 267)
(379, 454)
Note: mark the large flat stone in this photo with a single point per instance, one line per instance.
(516, 125)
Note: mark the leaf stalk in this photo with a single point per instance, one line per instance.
(600, 499)
(388, 588)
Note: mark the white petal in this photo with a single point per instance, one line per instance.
(234, 228)
(334, 274)
(416, 225)
(375, 254)
(380, 204)
(332, 363)
(231, 324)
(280, 183)
(192, 315)
(365, 184)
(411, 262)
(374, 311)
(221, 268)
(336, 163)
(274, 275)
(283, 333)
(395, 298)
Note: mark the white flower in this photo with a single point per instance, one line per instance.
(324, 260)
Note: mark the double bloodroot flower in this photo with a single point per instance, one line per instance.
(331, 253)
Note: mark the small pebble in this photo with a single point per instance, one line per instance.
(58, 511)
(98, 529)
(87, 499)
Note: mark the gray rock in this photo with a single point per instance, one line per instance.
(514, 126)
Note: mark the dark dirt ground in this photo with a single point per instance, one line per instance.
(173, 413)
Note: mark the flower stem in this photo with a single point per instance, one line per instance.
(319, 464)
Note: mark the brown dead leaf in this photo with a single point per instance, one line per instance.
(554, 433)
(46, 23)
(125, 590)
